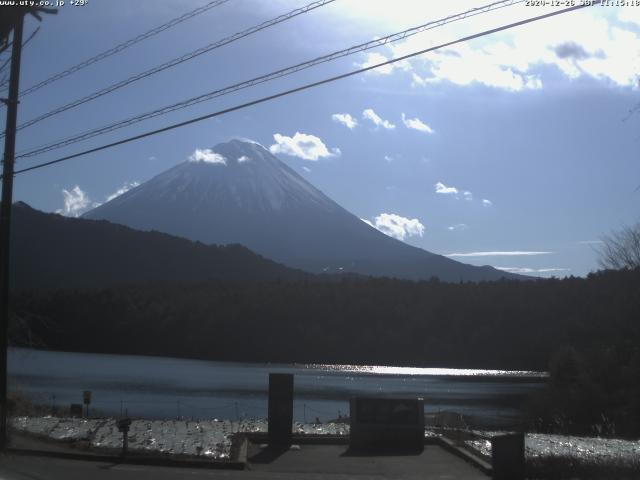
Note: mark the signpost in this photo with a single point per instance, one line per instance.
(123, 426)
(86, 399)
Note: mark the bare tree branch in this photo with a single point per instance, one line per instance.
(621, 249)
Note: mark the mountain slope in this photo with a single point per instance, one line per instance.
(243, 194)
(49, 251)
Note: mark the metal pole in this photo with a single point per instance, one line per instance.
(125, 442)
(5, 217)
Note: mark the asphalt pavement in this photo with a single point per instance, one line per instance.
(306, 462)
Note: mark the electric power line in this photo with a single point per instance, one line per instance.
(301, 88)
(267, 77)
(5, 46)
(24, 44)
(177, 61)
(3, 66)
(124, 45)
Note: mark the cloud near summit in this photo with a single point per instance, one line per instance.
(124, 189)
(396, 226)
(302, 145)
(207, 156)
(76, 201)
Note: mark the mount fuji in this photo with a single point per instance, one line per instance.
(238, 192)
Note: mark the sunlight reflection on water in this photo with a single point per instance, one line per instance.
(438, 372)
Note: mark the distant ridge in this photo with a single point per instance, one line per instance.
(244, 194)
(52, 251)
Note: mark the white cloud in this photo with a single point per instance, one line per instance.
(532, 270)
(397, 226)
(588, 43)
(498, 254)
(124, 189)
(306, 169)
(471, 67)
(442, 188)
(345, 119)
(418, 81)
(393, 16)
(629, 15)
(243, 159)
(453, 191)
(302, 145)
(369, 114)
(458, 226)
(388, 158)
(416, 124)
(76, 202)
(207, 156)
(374, 58)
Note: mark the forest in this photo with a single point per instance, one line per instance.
(585, 331)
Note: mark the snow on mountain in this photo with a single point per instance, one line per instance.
(238, 192)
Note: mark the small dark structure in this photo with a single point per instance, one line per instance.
(86, 399)
(123, 426)
(507, 454)
(387, 424)
(280, 409)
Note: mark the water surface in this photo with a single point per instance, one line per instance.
(162, 387)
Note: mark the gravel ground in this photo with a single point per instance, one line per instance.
(210, 438)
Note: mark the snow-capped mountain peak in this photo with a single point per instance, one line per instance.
(238, 192)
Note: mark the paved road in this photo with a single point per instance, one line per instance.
(310, 462)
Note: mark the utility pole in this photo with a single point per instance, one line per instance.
(5, 216)
(13, 20)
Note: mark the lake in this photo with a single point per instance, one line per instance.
(162, 387)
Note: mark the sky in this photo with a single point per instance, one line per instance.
(517, 149)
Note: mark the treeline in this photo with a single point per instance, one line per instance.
(592, 391)
(504, 324)
(585, 330)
